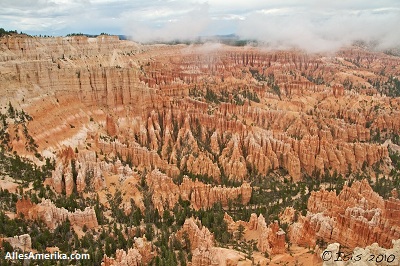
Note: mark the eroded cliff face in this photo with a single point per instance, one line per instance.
(228, 111)
(358, 216)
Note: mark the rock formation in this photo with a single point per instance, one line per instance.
(76, 171)
(123, 258)
(269, 239)
(272, 240)
(218, 256)
(177, 108)
(117, 115)
(22, 242)
(288, 215)
(53, 216)
(203, 246)
(199, 236)
(356, 217)
(141, 254)
(166, 193)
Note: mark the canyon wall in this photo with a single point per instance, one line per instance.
(228, 112)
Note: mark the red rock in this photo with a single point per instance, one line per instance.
(166, 193)
(199, 237)
(270, 238)
(132, 257)
(290, 131)
(202, 245)
(111, 127)
(53, 216)
(356, 217)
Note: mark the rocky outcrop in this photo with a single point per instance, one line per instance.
(140, 157)
(123, 258)
(276, 240)
(141, 254)
(261, 150)
(58, 64)
(53, 216)
(77, 171)
(233, 162)
(166, 193)
(22, 242)
(199, 236)
(288, 215)
(24, 207)
(145, 248)
(218, 256)
(269, 239)
(202, 245)
(303, 232)
(29, 47)
(356, 217)
(111, 127)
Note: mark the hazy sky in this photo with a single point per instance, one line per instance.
(312, 23)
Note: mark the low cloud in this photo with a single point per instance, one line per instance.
(314, 25)
(310, 24)
(169, 25)
(322, 30)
